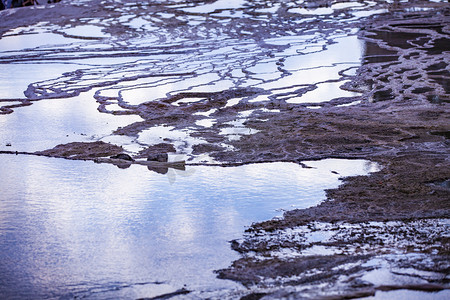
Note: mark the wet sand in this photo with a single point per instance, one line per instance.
(400, 119)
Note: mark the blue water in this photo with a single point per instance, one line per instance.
(80, 229)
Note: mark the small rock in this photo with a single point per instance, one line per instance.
(161, 157)
(8, 145)
(122, 156)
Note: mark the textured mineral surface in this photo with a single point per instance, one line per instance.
(236, 82)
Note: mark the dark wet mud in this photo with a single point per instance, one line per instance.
(270, 81)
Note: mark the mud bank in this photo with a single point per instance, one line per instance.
(371, 232)
(373, 235)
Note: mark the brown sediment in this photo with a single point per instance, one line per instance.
(82, 150)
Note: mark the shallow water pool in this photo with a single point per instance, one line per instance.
(79, 229)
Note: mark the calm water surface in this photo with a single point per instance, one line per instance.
(79, 229)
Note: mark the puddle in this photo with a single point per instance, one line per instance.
(206, 122)
(15, 78)
(87, 230)
(48, 123)
(86, 31)
(216, 5)
(206, 113)
(31, 41)
(321, 8)
(323, 93)
(162, 87)
(313, 11)
(335, 54)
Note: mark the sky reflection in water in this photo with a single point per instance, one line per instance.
(72, 226)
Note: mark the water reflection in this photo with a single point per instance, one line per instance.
(79, 229)
(46, 124)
